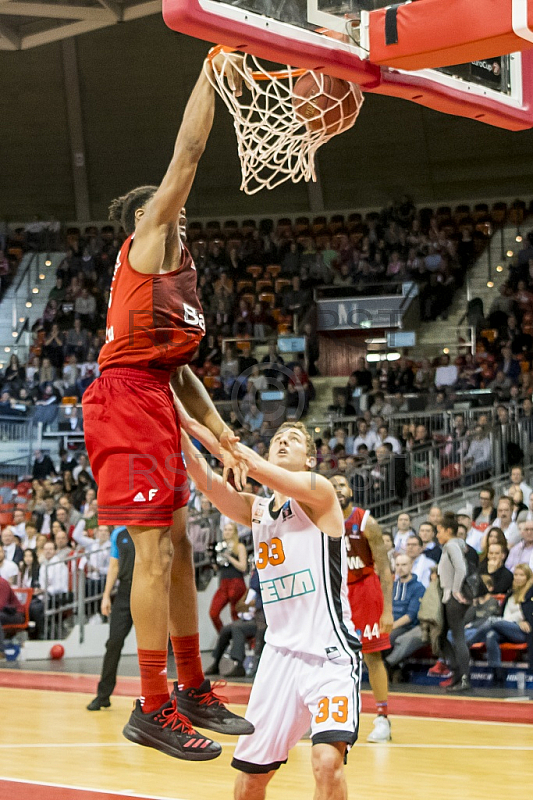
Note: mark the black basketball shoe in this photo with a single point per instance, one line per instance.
(169, 732)
(205, 709)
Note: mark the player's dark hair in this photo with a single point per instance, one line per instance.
(417, 537)
(123, 209)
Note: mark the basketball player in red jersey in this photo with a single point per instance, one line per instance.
(154, 326)
(370, 595)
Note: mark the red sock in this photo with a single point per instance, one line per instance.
(382, 709)
(154, 686)
(188, 662)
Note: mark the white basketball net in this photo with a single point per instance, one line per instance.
(274, 145)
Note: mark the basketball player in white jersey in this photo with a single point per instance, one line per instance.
(309, 672)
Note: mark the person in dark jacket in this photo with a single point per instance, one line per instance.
(121, 566)
(251, 624)
(407, 592)
(494, 565)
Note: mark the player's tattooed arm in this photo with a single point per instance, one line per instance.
(381, 560)
(235, 505)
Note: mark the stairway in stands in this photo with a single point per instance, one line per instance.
(33, 273)
(433, 336)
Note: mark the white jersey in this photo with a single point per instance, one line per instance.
(302, 573)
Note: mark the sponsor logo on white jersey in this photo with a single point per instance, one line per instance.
(287, 586)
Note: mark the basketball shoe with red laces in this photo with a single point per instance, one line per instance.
(169, 732)
(207, 710)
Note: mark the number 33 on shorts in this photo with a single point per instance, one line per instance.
(337, 708)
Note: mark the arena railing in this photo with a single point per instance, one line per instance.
(77, 598)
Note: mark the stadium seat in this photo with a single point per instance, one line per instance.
(273, 270)
(24, 596)
(499, 213)
(336, 223)
(302, 225)
(281, 283)
(254, 270)
(264, 283)
(248, 226)
(461, 213)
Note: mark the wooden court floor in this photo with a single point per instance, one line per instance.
(47, 738)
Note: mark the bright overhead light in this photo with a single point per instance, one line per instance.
(510, 254)
(499, 268)
(490, 284)
(21, 319)
(446, 350)
(377, 340)
(518, 238)
(42, 276)
(7, 349)
(35, 290)
(28, 303)
(14, 334)
(48, 263)
(373, 357)
(393, 356)
(317, 430)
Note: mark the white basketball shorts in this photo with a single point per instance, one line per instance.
(291, 692)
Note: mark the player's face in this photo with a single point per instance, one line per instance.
(342, 490)
(288, 449)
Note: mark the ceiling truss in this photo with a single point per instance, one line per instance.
(31, 23)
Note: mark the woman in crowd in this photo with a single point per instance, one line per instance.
(14, 376)
(494, 535)
(232, 586)
(452, 570)
(29, 570)
(29, 579)
(514, 625)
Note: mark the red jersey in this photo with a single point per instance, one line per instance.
(360, 559)
(153, 321)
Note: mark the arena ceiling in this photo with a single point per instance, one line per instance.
(31, 23)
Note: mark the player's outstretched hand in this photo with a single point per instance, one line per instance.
(230, 64)
(232, 459)
(386, 622)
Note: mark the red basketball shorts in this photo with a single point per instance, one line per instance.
(366, 601)
(133, 440)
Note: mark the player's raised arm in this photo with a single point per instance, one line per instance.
(201, 419)
(235, 505)
(381, 560)
(171, 196)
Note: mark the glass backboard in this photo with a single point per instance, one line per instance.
(332, 36)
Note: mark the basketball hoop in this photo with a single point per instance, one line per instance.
(275, 141)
